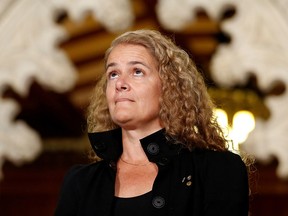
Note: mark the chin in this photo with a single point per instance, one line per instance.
(121, 120)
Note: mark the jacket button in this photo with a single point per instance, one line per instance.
(153, 148)
(158, 202)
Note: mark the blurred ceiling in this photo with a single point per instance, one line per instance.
(63, 115)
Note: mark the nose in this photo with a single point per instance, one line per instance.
(122, 84)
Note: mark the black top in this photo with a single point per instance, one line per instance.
(199, 182)
(139, 205)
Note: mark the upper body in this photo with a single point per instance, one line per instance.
(198, 182)
(151, 85)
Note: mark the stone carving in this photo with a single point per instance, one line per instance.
(114, 15)
(27, 40)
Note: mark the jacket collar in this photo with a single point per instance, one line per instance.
(108, 146)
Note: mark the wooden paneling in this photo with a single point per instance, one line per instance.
(269, 193)
(33, 189)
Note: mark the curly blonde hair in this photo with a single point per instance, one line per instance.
(186, 110)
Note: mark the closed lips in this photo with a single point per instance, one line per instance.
(123, 100)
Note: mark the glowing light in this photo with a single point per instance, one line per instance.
(221, 117)
(222, 120)
(242, 124)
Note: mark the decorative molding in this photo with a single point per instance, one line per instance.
(28, 37)
(120, 12)
(176, 14)
(259, 33)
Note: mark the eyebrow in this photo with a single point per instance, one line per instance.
(112, 64)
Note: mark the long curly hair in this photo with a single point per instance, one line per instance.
(186, 109)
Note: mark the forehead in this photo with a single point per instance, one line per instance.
(124, 51)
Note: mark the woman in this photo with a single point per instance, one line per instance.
(162, 152)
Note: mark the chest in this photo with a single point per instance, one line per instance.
(174, 190)
(133, 181)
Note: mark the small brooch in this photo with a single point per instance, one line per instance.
(187, 180)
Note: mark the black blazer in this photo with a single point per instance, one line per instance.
(196, 183)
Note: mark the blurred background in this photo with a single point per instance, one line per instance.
(52, 57)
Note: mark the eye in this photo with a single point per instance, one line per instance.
(112, 75)
(138, 72)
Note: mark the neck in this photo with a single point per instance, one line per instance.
(132, 148)
(135, 135)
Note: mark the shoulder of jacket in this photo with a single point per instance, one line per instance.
(217, 161)
(215, 156)
(83, 171)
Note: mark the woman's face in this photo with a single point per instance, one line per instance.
(133, 88)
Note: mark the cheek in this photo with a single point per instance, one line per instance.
(154, 97)
(109, 96)
(158, 91)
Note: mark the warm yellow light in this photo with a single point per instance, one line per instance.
(222, 120)
(243, 123)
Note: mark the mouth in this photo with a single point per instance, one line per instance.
(119, 100)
